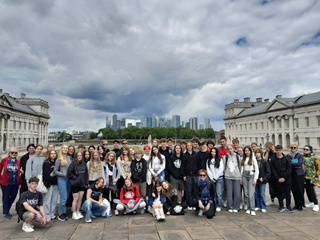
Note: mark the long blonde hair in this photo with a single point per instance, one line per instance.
(91, 167)
(63, 158)
(114, 160)
(11, 150)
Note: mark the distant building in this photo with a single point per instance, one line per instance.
(115, 122)
(143, 121)
(201, 126)
(122, 123)
(53, 136)
(218, 135)
(149, 122)
(169, 122)
(183, 124)
(129, 124)
(108, 121)
(284, 120)
(207, 123)
(139, 124)
(162, 122)
(176, 121)
(22, 121)
(193, 123)
(154, 120)
(187, 125)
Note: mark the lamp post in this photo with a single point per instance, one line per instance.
(268, 136)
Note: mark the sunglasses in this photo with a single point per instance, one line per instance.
(124, 143)
(293, 147)
(202, 175)
(14, 152)
(105, 144)
(306, 149)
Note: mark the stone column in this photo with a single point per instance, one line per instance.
(291, 128)
(39, 133)
(8, 134)
(284, 144)
(2, 135)
(276, 142)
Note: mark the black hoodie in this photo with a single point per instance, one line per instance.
(47, 169)
(202, 158)
(175, 169)
(139, 170)
(189, 164)
(78, 174)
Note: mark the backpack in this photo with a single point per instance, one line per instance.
(19, 209)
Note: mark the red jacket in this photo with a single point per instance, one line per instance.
(4, 178)
(128, 195)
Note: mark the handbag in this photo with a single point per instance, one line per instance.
(41, 187)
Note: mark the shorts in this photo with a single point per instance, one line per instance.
(75, 189)
(26, 215)
(177, 183)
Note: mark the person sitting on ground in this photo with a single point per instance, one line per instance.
(171, 206)
(95, 205)
(28, 206)
(156, 201)
(130, 198)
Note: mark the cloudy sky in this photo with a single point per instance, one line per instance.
(93, 58)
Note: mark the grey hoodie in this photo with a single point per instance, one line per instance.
(34, 166)
(61, 171)
(232, 167)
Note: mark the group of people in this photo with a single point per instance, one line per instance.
(163, 179)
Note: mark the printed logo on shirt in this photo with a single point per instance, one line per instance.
(177, 163)
(139, 166)
(129, 194)
(231, 166)
(32, 202)
(177, 209)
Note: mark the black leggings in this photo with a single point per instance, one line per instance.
(113, 195)
(283, 189)
(297, 188)
(311, 192)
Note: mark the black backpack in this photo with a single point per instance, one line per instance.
(19, 210)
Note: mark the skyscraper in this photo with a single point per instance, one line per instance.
(201, 126)
(183, 124)
(154, 120)
(207, 123)
(176, 121)
(108, 121)
(149, 122)
(129, 124)
(187, 125)
(194, 123)
(162, 122)
(114, 121)
(123, 123)
(169, 122)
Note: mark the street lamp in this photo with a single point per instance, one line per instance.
(268, 136)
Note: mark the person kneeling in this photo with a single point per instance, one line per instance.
(28, 206)
(95, 205)
(130, 198)
(155, 202)
(205, 195)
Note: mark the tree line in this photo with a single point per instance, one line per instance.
(134, 132)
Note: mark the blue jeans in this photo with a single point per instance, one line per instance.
(64, 191)
(50, 201)
(218, 187)
(9, 194)
(161, 176)
(128, 210)
(96, 210)
(260, 197)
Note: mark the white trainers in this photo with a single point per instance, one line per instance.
(310, 205)
(27, 228)
(253, 213)
(80, 215)
(200, 213)
(234, 210)
(75, 216)
(270, 203)
(263, 210)
(218, 209)
(257, 209)
(88, 221)
(245, 207)
(248, 211)
(116, 212)
(194, 209)
(315, 208)
(190, 208)
(224, 204)
(230, 210)
(241, 206)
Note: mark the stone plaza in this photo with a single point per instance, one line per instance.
(240, 226)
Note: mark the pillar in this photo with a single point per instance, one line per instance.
(291, 128)
(2, 135)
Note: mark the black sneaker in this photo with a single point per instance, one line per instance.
(62, 217)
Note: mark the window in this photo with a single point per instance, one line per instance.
(241, 127)
(287, 123)
(307, 141)
(272, 124)
(297, 122)
(307, 121)
(245, 126)
(256, 126)
(261, 125)
(262, 140)
(250, 126)
(318, 142)
(318, 118)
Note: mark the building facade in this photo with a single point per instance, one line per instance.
(22, 121)
(282, 121)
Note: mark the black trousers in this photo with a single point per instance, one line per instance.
(283, 190)
(297, 188)
(190, 188)
(24, 186)
(311, 192)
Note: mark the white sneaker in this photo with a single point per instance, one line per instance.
(200, 213)
(80, 215)
(116, 212)
(230, 210)
(315, 208)
(257, 209)
(248, 211)
(263, 210)
(311, 205)
(241, 206)
(75, 216)
(27, 228)
(224, 204)
(194, 209)
(190, 208)
(253, 213)
(218, 209)
(88, 221)
(235, 210)
(270, 203)
(125, 213)
(245, 207)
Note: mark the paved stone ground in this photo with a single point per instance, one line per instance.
(240, 226)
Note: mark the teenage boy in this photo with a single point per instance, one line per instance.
(254, 146)
(116, 148)
(195, 145)
(28, 209)
(223, 150)
(165, 152)
(170, 145)
(210, 145)
(281, 173)
(235, 143)
(183, 145)
(23, 162)
(139, 173)
(202, 156)
(81, 147)
(105, 146)
(124, 142)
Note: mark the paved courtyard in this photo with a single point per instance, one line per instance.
(240, 226)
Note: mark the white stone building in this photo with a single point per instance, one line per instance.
(282, 121)
(22, 121)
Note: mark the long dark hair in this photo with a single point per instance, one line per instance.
(153, 155)
(170, 192)
(245, 156)
(217, 158)
(154, 190)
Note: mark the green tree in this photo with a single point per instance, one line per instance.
(201, 133)
(172, 132)
(187, 133)
(109, 133)
(210, 132)
(93, 135)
